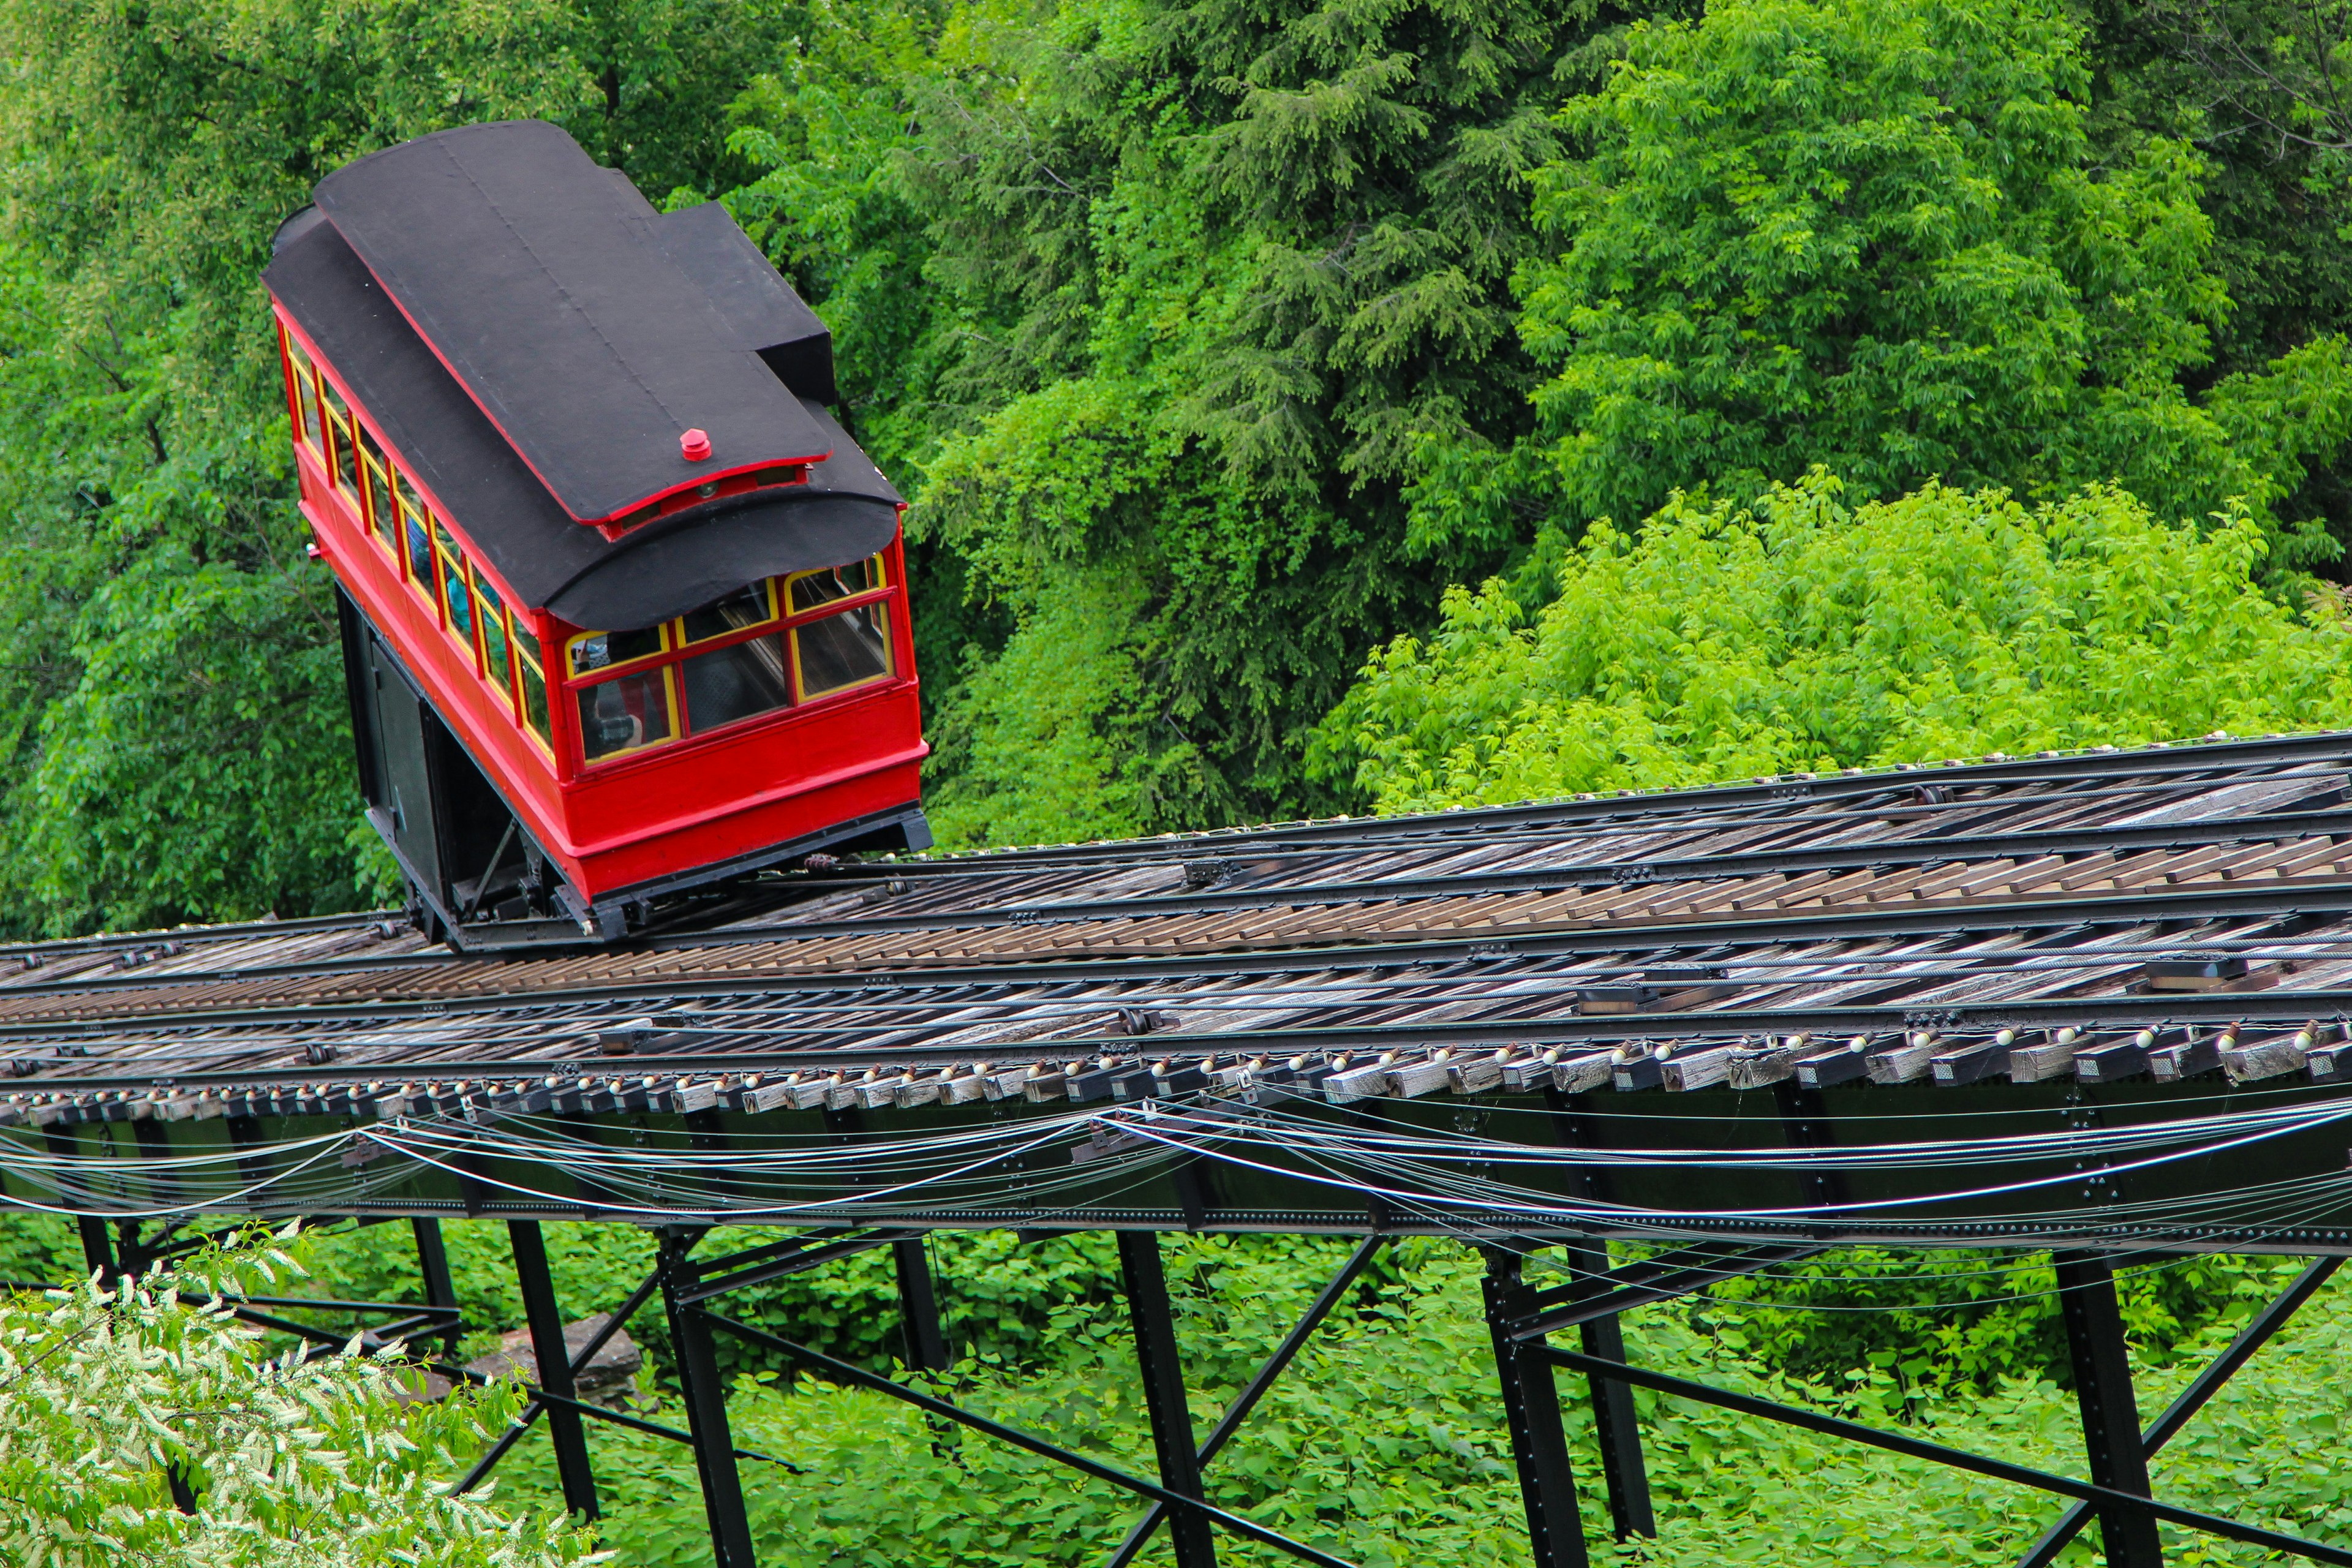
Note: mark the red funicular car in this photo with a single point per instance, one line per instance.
(625, 609)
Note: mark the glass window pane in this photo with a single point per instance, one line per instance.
(455, 598)
(622, 715)
(338, 436)
(736, 682)
(534, 701)
(598, 650)
(420, 548)
(839, 583)
(379, 497)
(528, 677)
(305, 391)
(744, 608)
(844, 649)
(493, 619)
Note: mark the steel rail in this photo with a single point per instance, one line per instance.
(1591, 875)
(1452, 833)
(245, 931)
(2156, 763)
(1588, 875)
(929, 1020)
(2203, 903)
(1937, 1453)
(2187, 765)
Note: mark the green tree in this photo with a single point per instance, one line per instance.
(1198, 277)
(289, 1464)
(1880, 238)
(1804, 635)
(172, 713)
(178, 748)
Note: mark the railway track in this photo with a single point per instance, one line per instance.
(2200, 896)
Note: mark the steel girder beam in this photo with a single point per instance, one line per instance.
(1246, 1400)
(594, 1412)
(2098, 1496)
(850, 1373)
(920, 1322)
(706, 1408)
(440, 1285)
(1531, 1409)
(1146, 1281)
(614, 1322)
(2207, 1383)
(1664, 1277)
(1614, 1424)
(2103, 1388)
(554, 1359)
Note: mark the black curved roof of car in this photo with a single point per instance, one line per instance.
(538, 280)
(582, 374)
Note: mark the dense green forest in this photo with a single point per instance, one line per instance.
(1309, 406)
(1215, 342)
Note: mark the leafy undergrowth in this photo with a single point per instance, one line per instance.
(1384, 1444)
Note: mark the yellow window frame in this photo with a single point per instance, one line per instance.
(486, 593)
(879, 561)
(379, 511)
(448, 556)
(530, 674)
(302, 378)
(889, 670)
(671, 700)
(413, 514)
(668, 631)
(337, 416)
(768, 586)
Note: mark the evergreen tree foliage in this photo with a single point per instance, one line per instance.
(1881, 238)
(1212, 273)
(1210, 341)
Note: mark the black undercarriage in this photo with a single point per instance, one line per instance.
(477, 877)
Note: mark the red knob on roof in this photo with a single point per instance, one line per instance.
(693, 446)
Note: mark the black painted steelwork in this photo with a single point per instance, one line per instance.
(1163, 1393)
(440, 1287)
(546, 1320)
(1246, 1400)
(1519, 1317)
(2103, 1386)
(1531, 1409)
(1729, 1174)
(1956, 1458)
(613, 1322)
(2252, 1338)
(919, 1323)
(706, 1405)
(850, 1373)
(1614, 1425)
